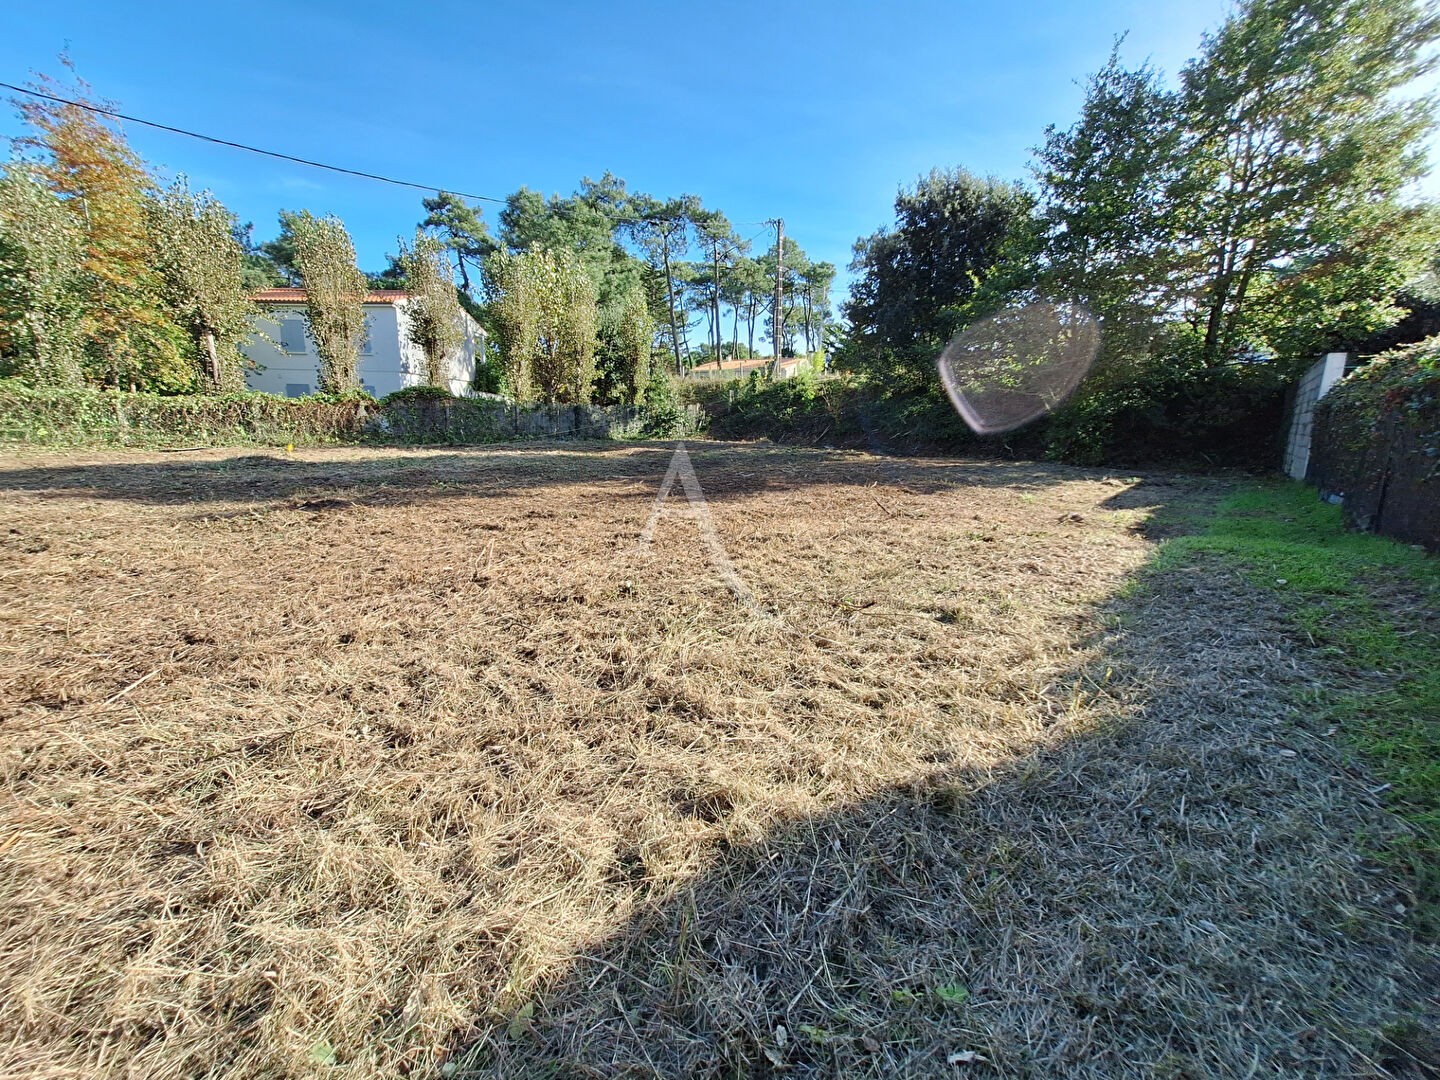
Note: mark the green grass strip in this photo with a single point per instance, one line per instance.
(1368, 603)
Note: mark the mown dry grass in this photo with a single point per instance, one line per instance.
(381, 763)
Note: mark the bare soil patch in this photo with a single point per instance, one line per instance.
(371, 763)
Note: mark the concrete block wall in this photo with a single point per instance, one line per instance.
(1320, 376)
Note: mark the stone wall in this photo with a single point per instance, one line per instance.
(488, 418)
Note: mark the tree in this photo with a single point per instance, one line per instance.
(258, 270)
(626, 340)
(545, 313)
(1299, 152)
(751, 286)
(86, 162)
(721, 246)
(334, 295)
(531, 222)
(393, 276)
(513, 284)
(913, 280)
(1105, 235)
(43, 281)
(202, 269)
(662, 229)
(279, 255)
(436, 321)
(462, 230)
(797, 267)
(571, 351)
(590, 224)
(815, 282)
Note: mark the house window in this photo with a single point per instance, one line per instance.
(292, 336)
(366, 348)
(297, 389)
(368, 389)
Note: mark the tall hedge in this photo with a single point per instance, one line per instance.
(90, 417)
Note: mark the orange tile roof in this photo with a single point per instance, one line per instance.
(297, 296)
(747, 364)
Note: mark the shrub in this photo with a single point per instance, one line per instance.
(1170, 408)
(431, 414)
(1403, 381)
(664, 415)
(418, 393)
(489, 377)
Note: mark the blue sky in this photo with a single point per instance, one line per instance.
(814, 112)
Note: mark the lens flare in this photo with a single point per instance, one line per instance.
(1018, 364)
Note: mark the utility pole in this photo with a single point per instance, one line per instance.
(777, 324)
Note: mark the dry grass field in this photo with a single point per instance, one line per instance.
(379, 763)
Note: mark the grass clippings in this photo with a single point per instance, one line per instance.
(381, 763)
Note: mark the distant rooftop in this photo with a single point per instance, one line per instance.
(297, 296)
(747, 364)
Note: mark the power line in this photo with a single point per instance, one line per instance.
(251, 149)
(768, 223)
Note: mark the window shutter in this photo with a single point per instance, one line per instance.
(292, 335)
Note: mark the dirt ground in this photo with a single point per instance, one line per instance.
(376, 763)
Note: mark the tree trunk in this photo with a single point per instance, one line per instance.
(214, 356)
(719, 331)
(670, 297)
(750, 324)
(1219, 295)
(806, 295)
(1237, 300)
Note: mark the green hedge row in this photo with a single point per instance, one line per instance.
(92, 417)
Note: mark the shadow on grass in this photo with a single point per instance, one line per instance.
(1177, 895)
(631, 470)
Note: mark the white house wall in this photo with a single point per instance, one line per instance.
(391, 361)
(461, 362)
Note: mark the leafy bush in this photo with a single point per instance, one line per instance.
(418, 393)
(839, 409)
(1173, 408)
(489, 377)
(1376, 442)
(1403, 381)
(1164, 409)
(422, 414)
(664, 413)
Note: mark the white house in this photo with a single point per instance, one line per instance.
(286, 363)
